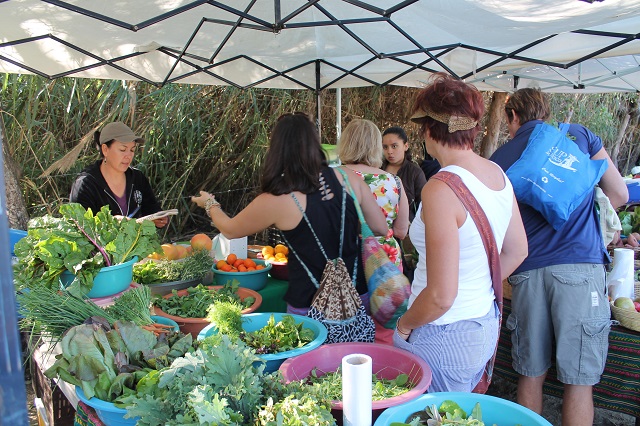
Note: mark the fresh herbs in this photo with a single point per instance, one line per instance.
(330, 385)
(223, 385)
(280, 336)
(53, 312)
(273, 338)
(196, 302)
(449, 413)
(80, 243)
(195, 266)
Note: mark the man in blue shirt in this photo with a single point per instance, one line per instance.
(559, 296)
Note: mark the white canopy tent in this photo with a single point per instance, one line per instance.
(560, 46)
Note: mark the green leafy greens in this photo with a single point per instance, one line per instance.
(81, 243)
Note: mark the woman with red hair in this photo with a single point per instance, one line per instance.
(453, 319)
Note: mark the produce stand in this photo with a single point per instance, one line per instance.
(619, 387)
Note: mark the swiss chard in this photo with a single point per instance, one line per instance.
(79, 242)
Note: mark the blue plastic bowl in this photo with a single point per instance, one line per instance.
(255, 280)
(165, 321)
(494, 410)
(15, 235)
(256, 321)
(109, 281)
(108, 413)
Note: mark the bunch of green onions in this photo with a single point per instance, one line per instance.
(50, 312)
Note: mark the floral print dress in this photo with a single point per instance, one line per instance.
(386, 190)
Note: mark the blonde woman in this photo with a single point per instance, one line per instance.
(360, 150)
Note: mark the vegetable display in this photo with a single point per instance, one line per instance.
(449, 413)
(196, 302)
(195, 266)
(221, 385)
(274, 337)
(80, 243)
(53, 312)
(108, 363)
(330, 385)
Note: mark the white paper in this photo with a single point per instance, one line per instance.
(158, 215)
(620, 281)
(356, 390)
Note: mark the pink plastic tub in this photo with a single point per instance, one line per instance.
(388, 362)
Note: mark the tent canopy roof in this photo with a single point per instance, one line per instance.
(559, 46)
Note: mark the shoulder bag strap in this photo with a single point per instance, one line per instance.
(365, 230)
(482, 223)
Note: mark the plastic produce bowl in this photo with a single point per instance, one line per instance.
(494, 410)
(109, 281)
(108, 413)
(255, 280)
(195, 325)
(280, 270)
(388, 363)
(256, 321)
(15, 235)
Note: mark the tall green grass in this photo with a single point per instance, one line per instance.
(206, 137)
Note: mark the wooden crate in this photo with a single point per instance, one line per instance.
(59, 410)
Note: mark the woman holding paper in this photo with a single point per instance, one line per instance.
(112, 181)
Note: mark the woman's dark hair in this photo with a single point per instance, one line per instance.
(448, 96)
(295, 157)
(399, 132)
(96, 140)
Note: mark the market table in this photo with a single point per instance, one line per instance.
(272, 296)
(619, 387)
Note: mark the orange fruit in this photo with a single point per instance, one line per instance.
(226, 267)
(221, 264)
(233, 270)
(181, 251)
(237, 263)
(201, 242)
(242, 268)
(267, 251)
(170, 252)
(231, 259)
(251, 268)
(249, 263)
(258, 267)
(281, 248)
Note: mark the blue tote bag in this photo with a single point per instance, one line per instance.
(553, 175)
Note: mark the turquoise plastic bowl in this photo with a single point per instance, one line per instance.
(108, 413)
(15, 235)
(255, 280)
(256, 321)
(494, 410)
(109, 281)
(165, 321)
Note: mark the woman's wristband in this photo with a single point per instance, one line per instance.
(211, 202)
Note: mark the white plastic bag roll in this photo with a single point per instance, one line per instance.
(356, 390)
(620, 281)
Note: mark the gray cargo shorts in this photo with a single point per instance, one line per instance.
(565, 306)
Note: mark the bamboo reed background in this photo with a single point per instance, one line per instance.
(214, 137)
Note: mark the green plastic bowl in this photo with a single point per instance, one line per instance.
(109, 281)
(255, 280)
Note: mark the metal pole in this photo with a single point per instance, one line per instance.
(338, 114)
(13, 397)
(318, 101)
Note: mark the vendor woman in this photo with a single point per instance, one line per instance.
(112, 181)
